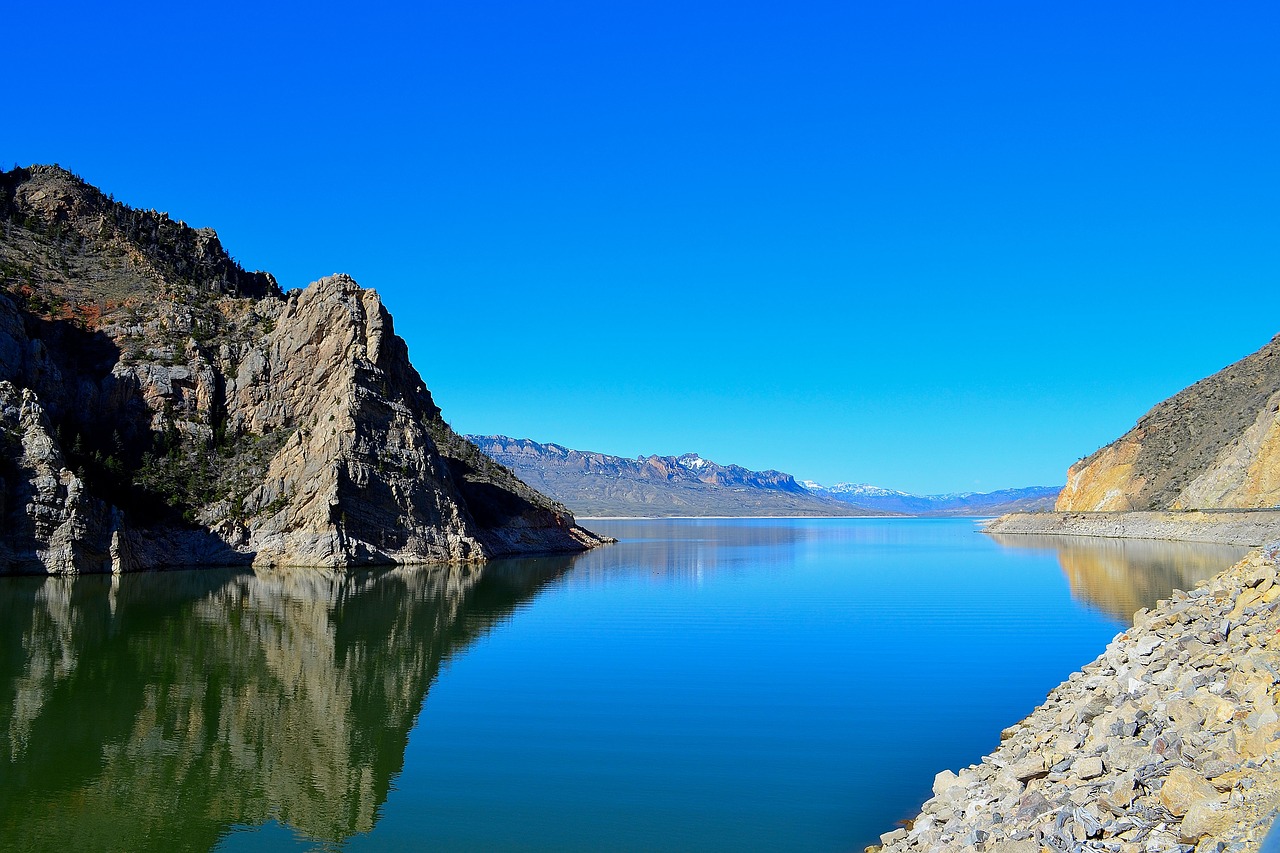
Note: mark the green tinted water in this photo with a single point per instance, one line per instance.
(703, 685)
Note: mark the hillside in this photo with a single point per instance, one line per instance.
(598, 484)
(1214, 445)
(160, 405)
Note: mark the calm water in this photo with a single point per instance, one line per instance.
(703, 685)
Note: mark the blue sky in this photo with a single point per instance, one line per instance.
(934, 246)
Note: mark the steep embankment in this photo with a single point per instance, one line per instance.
(160, 405)
(1168, 740)
(1213, 445)
(603, 485)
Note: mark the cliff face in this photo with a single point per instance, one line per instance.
(161, 406)
(1213, 445)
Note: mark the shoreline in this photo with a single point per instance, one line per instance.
(1168, 742)
(1253, 528)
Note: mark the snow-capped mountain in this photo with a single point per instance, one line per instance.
(599, 484)
(1029, 499)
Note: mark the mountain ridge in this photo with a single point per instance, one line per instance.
(594, 483)
(998, 502)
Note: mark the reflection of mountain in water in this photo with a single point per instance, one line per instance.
(152, 712)
(686, 549)
(1121, 576)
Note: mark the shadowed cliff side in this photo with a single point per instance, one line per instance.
(159, 405)
(154, 712)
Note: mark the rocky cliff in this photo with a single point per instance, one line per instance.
(159, 405)
(1213, 445)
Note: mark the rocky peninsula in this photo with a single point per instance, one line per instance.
(161, 406)
(1168, 742)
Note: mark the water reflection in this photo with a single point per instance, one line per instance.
(153, 712)
(689, 549)
(1121, 576)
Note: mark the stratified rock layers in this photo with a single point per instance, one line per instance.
(160, 406)
(1213, 445)
(1169, 741)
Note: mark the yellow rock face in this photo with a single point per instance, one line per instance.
(1243, 474)
(1105, 484)
(1262, 485)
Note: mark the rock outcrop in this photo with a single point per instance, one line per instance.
(1213, 445)
(164, 407)
(1169, 742)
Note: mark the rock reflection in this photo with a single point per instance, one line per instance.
(153, 712)
(1121, 576)
(686, 550)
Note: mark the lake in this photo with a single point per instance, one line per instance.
(703, 685)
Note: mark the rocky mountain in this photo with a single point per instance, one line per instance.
(1214, 445)
(1029, 499)
(159, 405)
(598, 484)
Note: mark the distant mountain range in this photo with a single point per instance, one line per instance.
(597, 484)
(1029, 499)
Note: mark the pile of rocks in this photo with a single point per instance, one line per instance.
(1169, 741)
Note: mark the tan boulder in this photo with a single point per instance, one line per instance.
(1184, 788)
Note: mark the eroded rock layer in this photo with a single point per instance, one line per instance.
(162, 406)
(1213, 445)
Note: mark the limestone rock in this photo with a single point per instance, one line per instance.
(53, 522)
(1207, 818)
(191, 413)
(1183, 788)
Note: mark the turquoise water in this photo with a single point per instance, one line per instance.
(702, 685)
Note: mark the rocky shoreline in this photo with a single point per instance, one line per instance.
(1246, 527)
(1168, 742)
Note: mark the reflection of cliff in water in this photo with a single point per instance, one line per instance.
(152, 712)
(1121, 576)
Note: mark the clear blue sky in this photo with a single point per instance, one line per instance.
(933, 246)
